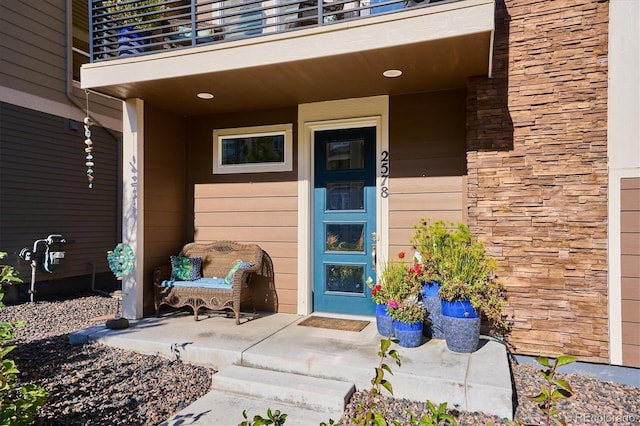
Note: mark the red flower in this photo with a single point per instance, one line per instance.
(378, 287)
(401, 255)
(374, 291)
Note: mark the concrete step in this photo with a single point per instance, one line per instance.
(305, 400)
(303, 391)
(218, 408)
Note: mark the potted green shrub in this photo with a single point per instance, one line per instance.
(468, 289)
(429, 240)
(134, 20)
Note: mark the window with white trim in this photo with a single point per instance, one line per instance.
(255, 149)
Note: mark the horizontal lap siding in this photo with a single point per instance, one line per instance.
(413, 199)
(33, 50)
(44, 190)
(263, 213)
(630, 261)
(427, 163)
(165, 195)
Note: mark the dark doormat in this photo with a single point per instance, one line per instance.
(334, 323)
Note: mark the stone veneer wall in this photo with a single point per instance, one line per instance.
(537, 172)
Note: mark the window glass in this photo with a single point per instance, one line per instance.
(253, 149)
(345, 278)
(345, 237)
(345, 155)
(256, 149)
(345, 196)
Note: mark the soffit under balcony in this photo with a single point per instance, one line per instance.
(437, 48)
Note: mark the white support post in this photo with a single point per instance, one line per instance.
(132, 203)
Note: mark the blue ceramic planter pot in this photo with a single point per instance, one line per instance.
(384, 322)
(458, 309)
(433, 327)
(408, 335)
(431, 288)
(461, 326)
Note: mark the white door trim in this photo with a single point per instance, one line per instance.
(341, 114)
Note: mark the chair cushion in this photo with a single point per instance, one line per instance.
(237, 265)
(186, 268)
(215, 282)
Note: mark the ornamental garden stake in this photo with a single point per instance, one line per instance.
(121, 261)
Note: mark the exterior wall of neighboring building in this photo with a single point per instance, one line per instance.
(43, 183)
(537, 161)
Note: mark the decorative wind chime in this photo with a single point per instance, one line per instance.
(88, 122)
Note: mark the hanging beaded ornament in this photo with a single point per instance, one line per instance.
(88, 149)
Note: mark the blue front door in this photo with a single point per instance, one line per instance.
(344, 219)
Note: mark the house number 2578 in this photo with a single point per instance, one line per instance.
(384, 173)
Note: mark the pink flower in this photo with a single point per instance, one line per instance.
(393, 304)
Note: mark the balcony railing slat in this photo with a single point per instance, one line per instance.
(170, 24)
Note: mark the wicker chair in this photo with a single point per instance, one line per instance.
(217, 259)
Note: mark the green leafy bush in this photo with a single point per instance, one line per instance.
(554, 390)
(18, 404)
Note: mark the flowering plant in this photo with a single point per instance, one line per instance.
(430, 239)
(408, 311)
(396, 283)
(377, 292)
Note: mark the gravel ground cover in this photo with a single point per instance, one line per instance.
(97, 385)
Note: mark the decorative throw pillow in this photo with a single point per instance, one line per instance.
(239, 264)
(186, 268)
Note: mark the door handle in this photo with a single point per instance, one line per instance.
(373, 256)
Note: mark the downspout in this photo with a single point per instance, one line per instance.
(74, 102)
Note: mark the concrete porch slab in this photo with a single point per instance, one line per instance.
(480, 381)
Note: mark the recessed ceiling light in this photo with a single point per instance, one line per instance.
(392, 73)
(205, 95)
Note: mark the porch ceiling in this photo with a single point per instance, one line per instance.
(437, 48)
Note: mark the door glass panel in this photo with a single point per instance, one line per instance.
(345, 237)
(345, 196)
(344, 278)
(345, 155)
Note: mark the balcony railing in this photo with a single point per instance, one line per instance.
(137, 27)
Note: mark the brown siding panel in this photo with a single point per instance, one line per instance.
(260, 213)
(165, 210)
(44, 190)
(258, 208)
(33, 55)
(427, 162)
(630, 269)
